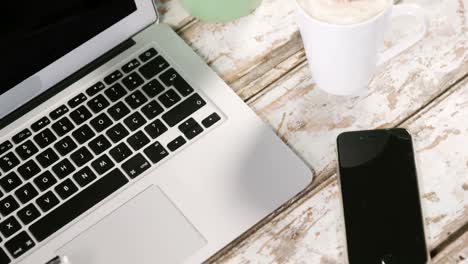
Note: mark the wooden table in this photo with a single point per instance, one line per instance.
(424, 90)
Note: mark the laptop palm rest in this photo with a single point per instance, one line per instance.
(147, 229)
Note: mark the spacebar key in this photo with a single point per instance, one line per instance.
(77, 205)
(183, 110)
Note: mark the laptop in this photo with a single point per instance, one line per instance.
(119, 145)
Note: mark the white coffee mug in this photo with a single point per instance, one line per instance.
(344, 58)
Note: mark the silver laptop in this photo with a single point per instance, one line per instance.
(119, 145)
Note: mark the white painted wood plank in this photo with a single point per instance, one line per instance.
(172, 13)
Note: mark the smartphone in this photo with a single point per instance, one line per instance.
(380, 196)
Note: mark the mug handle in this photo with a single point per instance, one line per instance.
(405, 10)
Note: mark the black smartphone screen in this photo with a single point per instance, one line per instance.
(382, 211)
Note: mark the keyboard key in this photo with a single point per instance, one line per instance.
(66, 189)
(84, 176)
(26, 193)
(4, 259)
(5, 146)
(83, 134)
(19, 244)
(152, 110)
(8, 205)
(169, 98)
(153, 88)
(211, 120)
(95, 89)
(190, 128)
(176, 143)
(154, 67)
(150, 53)
(8, 162)
(80, 115)
(113, 77)
(45, 181)
(63, 126)
(45, 138)
(99, 144)
(26, 150)
(138, 140)
(118, 111)
(132, 81)
(47, 158)
(133, 64)
(81, 156)
(172, 78)
(77, 100)
(65, 146)
(9, 226)
(29, 170)
(156, 129)
(101, 122)
(115, 92)
(10, 182)
(120, 153)
(40, 124)
(21, 136)
(183, 110)
(63, 168)
(135, 121)
(102, 164)
(28, 214)
(77, 205)
(57, 113)
(117, 133)
(136, 99)
(98, 103)
(156, 152)
(47, 201)
(136, 166)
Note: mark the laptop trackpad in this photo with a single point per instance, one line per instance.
(147, 229)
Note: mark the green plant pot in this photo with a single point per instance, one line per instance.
(220, 10)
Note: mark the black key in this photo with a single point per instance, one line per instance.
(4, 259)
(190, 128)
(26, 150)
(153, 88)
(138, 140)
(47, 201)
(83, 134)
(8, 205)
(155, 129)
(211, 120)
(132, 81)
(81, 156)
(9, 226)
(21, 136)
(101, 122)
(152, 68)
(183, 110)
(133, 64)
(172, 78)
(135, 121)
(5, 146)
(66, 189)
(176, 143)
(47, 158)
(169, 98)
(28, 214)
(80, 115)
(98, 103)
(152, 110)
(136, 166)
(63, 168)
(99, 144)
(120, 152)
(77, 100)
(113, 77)
(65, 146)
(8, 162)
(95, 89)
(45, 138)
(156, 152)
(150, 53)
(102, 164)
(115, 92)
(40, 124)
(28, 170)
(45, 181)
(136, 99)
(10, 182)
(63, 126)
(84, 176)
(77, 205)
(60, 111)
(26, 193)
(118, 111)
(117, 133)
(19, 244)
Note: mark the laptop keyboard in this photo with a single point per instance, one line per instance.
(65, 163)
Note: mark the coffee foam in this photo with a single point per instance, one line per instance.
(344, 12)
